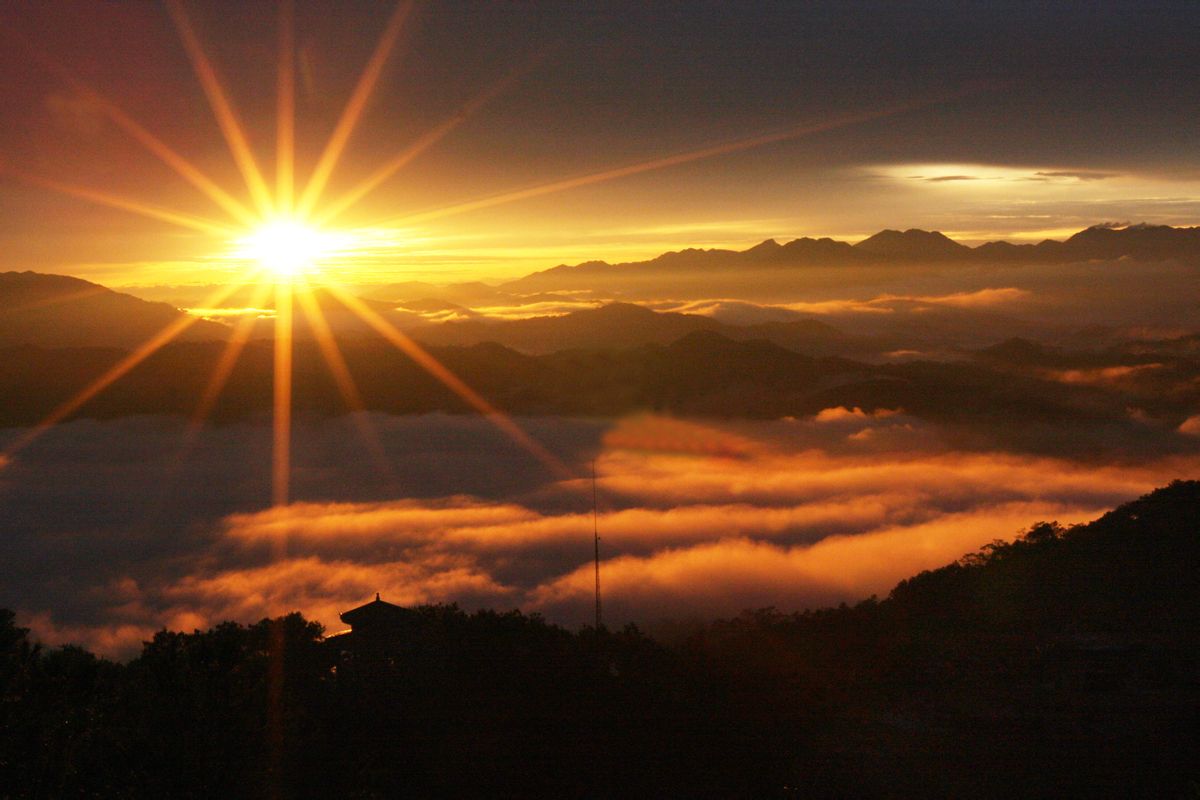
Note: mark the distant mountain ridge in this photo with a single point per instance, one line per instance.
(1003, 396)
(621, 325)
(60, 311)
(1140, 242)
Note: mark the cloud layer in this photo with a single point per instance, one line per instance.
(697, 519)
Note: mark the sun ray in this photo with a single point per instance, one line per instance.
(323, 336)
(285, 111)
(281, 450)
(663, 162)
(354, 109)
(125, 204)
(222, 108)
(114, 373)
(331, 211)
(242, 331)
(212, 391)
(340, 371)
(451, 381)
(184, 168)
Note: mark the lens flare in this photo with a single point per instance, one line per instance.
(286, 247)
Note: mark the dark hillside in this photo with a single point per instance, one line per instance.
(58, 311)
(1063, 664)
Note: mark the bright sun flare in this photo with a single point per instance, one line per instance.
(286, 247)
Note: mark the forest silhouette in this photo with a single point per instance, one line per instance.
(1062, 663)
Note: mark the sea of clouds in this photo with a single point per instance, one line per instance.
(115, 529)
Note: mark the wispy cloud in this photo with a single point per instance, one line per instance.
(987, 173)
(1079, 175)
(944, 178)
(736, 310)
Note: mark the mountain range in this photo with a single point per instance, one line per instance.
(624, 325)
(896, 294)
(889, 247)
(1016, 395)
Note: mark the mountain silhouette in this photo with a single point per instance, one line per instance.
(912, 245)
(1149, 242)
(1101, 242)
(703, 373)
(1057, 665)
(59, 311)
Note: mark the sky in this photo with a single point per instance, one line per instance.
(691, 125)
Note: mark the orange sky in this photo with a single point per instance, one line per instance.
(487, 144)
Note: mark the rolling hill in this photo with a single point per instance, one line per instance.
(623, 325)
(58, 311)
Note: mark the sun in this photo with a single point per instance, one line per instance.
(286, 247)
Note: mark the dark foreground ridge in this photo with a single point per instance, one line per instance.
(1063, 664)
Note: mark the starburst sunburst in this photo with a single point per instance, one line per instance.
(282, 242)
(288, 247)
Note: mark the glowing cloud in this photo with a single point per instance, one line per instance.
(809, 512)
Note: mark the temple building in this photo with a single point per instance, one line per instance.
(376, 628)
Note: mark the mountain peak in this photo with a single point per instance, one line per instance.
(913, 243)
(765, 247)
(619, 310)
(1113, 241)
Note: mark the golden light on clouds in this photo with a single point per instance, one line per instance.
(991, 175)
(1033, 186)
(703, 518)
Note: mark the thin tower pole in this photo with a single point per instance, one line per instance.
(596, 535)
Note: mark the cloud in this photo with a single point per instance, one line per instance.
(112, 639)
(1191, 426)
(1101, 376)
(843, 414)
(831, 307)
(525, 311)
(658, 561)
(746, 573)
(981, 298)
(321, 588)
(996, 175)
(696, 517)
(740, 312)
(1079, 175)
(731, 312)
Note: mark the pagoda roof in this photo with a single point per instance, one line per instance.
(375, 611)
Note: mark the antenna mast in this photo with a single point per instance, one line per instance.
(596, 535)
